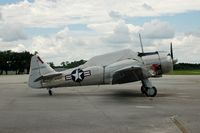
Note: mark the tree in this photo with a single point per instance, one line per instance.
(186, 66)
(51, 64)
(63, 64)
(75, 64)
(14, 61)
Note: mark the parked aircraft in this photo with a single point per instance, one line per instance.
(113, 68)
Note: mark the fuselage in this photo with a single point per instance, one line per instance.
(100, 69)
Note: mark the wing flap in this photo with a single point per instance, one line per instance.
(127, 74)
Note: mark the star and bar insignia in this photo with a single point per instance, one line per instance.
(78, 75)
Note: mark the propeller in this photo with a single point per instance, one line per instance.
(172, 54)
(171, 51)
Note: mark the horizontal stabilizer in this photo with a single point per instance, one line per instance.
(48, 76)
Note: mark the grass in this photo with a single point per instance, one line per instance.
(185, 72)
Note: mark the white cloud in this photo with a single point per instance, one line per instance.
(11, 32)
(0, 15)
(19, 48)
(157, 29)
(147, 7)
(115, 15)
(134, 29)
(194, 33)
(67, 47)
(107, 27)
(187, 48)
(120, 35)
(123, 35)
(46, 13)
(102, 16)
(64, 47)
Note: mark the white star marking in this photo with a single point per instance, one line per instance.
(77, 75)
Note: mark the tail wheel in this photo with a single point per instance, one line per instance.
(50, 92)
(151, 92)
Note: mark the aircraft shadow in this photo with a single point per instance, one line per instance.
(122, 93)
(127, 94)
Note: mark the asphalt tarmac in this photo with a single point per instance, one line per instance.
(101, 109)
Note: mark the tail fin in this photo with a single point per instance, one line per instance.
(37, 69)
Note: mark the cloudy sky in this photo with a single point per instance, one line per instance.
(67, 30)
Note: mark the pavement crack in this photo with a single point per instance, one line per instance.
(179, 124)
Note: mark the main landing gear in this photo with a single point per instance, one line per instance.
(50, 91)
(148, 89)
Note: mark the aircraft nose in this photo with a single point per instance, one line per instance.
(167, 64)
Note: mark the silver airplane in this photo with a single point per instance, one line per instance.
(119, 67)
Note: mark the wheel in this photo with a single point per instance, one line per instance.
(143, 89)
(151, 92)
(50, 93)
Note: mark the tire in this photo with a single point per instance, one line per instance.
(151, 92)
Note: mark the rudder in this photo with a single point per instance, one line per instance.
(37, 69)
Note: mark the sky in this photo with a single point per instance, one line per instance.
(68, 30)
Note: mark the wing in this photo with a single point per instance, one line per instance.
(48, 76)
(128, 74)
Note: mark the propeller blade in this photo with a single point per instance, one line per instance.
(171, 51)
(172, 54)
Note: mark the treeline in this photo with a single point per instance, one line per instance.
(20, 63)
(67, 64)
(15, 61)
(186, 66)
(72, 64)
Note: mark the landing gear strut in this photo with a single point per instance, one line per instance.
(148, 89)
(50, 91)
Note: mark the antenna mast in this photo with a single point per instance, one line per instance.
(141, 43)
